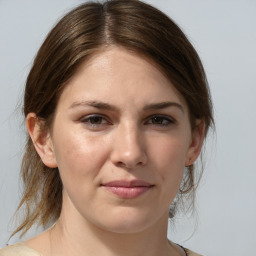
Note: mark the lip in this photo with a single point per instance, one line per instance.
(126, 189)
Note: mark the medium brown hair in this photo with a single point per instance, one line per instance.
(91, 26)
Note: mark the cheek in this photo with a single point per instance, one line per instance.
(170, 152)
(78, 156)
(169, 157)
(79, 160)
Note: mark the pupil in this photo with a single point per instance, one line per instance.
(96, 120)
(157, 120)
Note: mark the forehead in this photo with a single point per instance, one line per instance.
(117, 74)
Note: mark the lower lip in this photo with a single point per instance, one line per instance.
(128, 192)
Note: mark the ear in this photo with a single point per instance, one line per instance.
(41, 139)
(196, 143)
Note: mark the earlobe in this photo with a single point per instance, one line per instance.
(196, 143)
(41, 139)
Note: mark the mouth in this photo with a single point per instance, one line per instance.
(127, 189)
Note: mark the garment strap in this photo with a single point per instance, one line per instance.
(184, 249)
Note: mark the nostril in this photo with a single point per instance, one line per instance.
(129, 165)
(120, 164)
(125, 165)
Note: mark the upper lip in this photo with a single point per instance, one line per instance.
(127, 183)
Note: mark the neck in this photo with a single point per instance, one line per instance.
(73, 237)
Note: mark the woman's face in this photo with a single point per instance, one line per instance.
(121, 138)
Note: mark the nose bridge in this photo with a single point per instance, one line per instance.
(128, 147)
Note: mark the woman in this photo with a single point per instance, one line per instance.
(117, 106)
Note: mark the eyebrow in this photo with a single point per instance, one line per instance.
(95, 104)
(107, 106)
(162, 105)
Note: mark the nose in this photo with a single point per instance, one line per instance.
(128, 149)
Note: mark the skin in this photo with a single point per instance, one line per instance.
(119, 118)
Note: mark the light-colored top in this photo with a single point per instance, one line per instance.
(23, 250)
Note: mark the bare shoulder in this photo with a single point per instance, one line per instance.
(18, 250)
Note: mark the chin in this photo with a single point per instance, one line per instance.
(128, 221)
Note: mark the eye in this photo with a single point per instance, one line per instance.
(94, 120)
(160, 120)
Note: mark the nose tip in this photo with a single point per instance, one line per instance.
(128, 150)
(131, 161)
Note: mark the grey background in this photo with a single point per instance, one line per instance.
(224, 34)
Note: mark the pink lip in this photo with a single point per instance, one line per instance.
(127, 189)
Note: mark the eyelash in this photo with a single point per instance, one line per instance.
(89, 120)
(166, 119)
(160, 120)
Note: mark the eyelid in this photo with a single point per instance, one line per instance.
(167, 118)
(86, 119)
